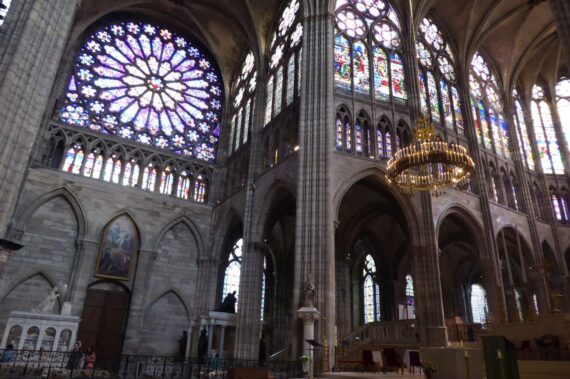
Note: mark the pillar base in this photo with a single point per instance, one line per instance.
(309, 315)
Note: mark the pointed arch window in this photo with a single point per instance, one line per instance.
(410, 297)
(491, 128)
(184, 186)
(149, 177)
(166, 181)
(200, 189)
(547, 143)
(132, 172)
(437, 78)
(73, 159)
(285, 52)
(232, 271)
(479, 307)
(370, 291)
(368, 40)
(244, 94)
(144, 83)
(563, 106)
(526, 153)
(535, 304)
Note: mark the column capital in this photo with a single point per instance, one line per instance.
(308, 314)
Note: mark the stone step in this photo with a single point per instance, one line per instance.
(544, 369)
(356, 375)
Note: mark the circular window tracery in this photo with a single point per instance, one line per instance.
(351, 23)
(145, 83)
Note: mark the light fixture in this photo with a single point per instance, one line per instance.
(428, 164)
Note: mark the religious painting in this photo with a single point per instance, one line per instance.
(119, 244)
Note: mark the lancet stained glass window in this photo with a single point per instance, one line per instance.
(369, 40)
(563, 105)
(546, 140)
(479, 308)
(233, 271)
(244, 91)
(145, 83)
(437, 78)
(370, 291)
(286, 44)
(493, 131)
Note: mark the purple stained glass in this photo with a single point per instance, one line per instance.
(147, 84)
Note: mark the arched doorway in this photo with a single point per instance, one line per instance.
(371, 239)
(278, 305)
(104, 322)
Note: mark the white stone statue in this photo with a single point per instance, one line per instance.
(49, 304)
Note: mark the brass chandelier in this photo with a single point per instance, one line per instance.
(429, 165)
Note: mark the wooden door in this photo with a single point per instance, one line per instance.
(103, 325)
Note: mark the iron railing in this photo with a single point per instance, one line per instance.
(15, 364)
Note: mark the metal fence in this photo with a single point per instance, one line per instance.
(54, 365)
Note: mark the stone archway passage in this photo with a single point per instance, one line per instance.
(103, 325)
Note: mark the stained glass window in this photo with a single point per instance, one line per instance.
(381, 74)
(519, 304)
(149, 178)
(370, 291)
(369, 30)
(410, 297)
(244, 93)
(73, 159)
(563, 105)
(291, 79)
(358, 138)
(556, 206)
(343, 70)
(484, 92)
(535, 304)
(361, 67)
(144, 83)
(269, 101)
(437, 77)
(546, 140)
(526, 153)
(285, 45)
(233, 271)
(200, 187)
(339, 134)
(184, 186)
(479, 308)
(4, 7)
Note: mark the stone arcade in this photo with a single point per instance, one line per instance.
(156, 156)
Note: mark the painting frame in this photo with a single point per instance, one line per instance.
(118, 249)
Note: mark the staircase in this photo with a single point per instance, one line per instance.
(376, 335)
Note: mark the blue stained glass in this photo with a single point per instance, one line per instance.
(423, 95)
(446, 103)
(134, 73)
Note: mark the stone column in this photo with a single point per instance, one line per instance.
(211, 327)
(314, 233)
(309, 315)
(221, 344)
(29, 64)
(427, 290)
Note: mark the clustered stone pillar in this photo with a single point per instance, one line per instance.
(36, 51)
(314, 234)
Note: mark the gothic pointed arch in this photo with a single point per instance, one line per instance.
(187, 221)
(67, 194)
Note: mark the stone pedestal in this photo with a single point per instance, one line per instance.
(32, 331)
(309, 315)
(221, 323)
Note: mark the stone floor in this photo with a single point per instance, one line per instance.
(370, 375)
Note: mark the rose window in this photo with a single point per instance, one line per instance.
(147, 84)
